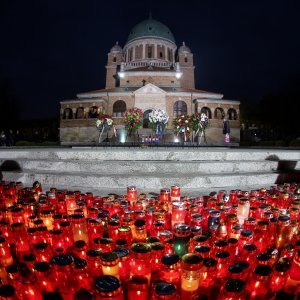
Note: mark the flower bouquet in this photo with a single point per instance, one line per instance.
(104, 124)
(158, 118)
(200, 123)
(183, 125)
(133, 119)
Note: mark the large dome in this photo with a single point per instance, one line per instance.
(150, 28)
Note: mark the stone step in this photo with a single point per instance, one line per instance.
(151, 154)
(129, 167)
(145, 181)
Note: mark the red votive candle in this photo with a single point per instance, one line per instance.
(175, 193)
(138, 288)
(131, 194)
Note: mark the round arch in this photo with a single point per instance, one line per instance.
(119, 107)
(146, 118)
(219, 113)
(79, 113)
(232, 114)
(93, 112)
(179, 108)
(206, 110)
(68, 113)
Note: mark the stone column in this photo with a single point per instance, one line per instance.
(143, 54)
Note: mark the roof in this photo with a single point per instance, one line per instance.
(132, 89)
(151, 28)
(150, 69)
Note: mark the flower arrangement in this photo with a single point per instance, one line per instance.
(158, 117)
(183, 124)
(133, 119)
(200, 122)
(104, 123)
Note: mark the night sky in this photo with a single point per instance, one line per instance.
(53, 49)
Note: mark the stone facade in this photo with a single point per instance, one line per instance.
(149, 72)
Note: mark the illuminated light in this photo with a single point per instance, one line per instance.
(176, 140)
(178, 75)
(121, 74)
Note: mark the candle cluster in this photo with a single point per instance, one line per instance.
(68, 245)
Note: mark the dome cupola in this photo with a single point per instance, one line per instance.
(116, 48)
(150, 28)
(184, 49)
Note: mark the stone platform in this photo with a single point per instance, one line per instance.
(108, 169)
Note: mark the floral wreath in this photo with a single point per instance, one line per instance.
(200, 122)
(133, 119)
(158, 116)
(183, 124)
(104, 123)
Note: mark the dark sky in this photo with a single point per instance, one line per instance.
(53, 49)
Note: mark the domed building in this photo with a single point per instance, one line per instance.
(149, 72)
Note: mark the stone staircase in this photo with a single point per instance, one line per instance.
(103, 169)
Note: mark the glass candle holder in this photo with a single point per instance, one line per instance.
(178, 213)
(165, 290)
(68, 236)
(79, 249)
(58, 243)
(42, 251)
(103, 244)
(284, 233)
(124, 232)
(21, 239)
(157, 252)
(79, 228)
(190, 275)
(70, 201)
(124, 268)
(63, 266)
(279, 275)
(243, 210)
(44, 279)
(138, 288)
(113, 226)
(213, 220)
(139, 265)
(139, 232)
(292, 283)
(246, 237)
(94, 262)
(47, 217)
(234, 289)
(181, 239)
(223, 259)
(175, 193)
(170, 270)
(132, 194)
(258, 284)
(110, 264)
(165, 195)
(6, 258)
(108, 287)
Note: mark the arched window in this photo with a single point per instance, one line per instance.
(80, 113)
(179, 108)
(68, 114)
(206, 110)
(146, 118)
(232, 115)
(93, 112)
(185, 59)
(219, 113)
(119, 107)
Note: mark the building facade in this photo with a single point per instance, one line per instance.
(149, 72)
